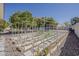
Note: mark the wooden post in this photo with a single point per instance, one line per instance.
(1, 10)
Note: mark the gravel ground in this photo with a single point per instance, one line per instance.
(2, 53)
(10, 46)
(71, 46)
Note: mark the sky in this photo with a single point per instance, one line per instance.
(60, 12)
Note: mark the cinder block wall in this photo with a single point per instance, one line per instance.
(76, 28)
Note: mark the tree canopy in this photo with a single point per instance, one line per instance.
(25, 19)
(74, 20)
(21, 19)
(3, 24)
(67, 24)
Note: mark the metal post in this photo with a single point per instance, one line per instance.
(33, 40)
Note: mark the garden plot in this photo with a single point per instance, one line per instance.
(36, 43)
(42, 44)
(22, 38)
(35, 40)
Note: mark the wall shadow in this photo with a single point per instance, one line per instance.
(71, 46)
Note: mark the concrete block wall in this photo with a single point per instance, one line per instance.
(76, 29)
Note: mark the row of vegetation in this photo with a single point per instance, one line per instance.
(24, 19)
(73, 21)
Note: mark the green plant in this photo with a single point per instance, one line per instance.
(44, 52)
(37, 52)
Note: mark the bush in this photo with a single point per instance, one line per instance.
(44, 52)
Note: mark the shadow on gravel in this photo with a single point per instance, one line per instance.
(71, 46)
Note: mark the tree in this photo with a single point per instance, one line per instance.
(74, 20)
(21, 19)
(3, 24)
(67, 24)
(34, 22)
(40, 22)
(24, 19)
(51, 22)
(46, 22)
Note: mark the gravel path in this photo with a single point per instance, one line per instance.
(71, 46)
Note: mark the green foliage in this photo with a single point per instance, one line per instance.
(40, 22)
(3, 24)
(46, 21)
(24, 19)
(37, 52)
(74, 20)
(51, 22)
(45, 52)
(66, 23)
(21, 19)
(41, 53)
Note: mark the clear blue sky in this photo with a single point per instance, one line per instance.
(60, 12)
